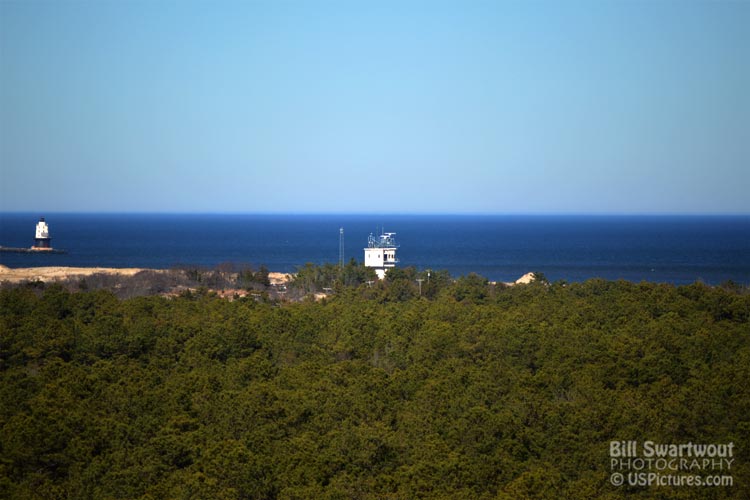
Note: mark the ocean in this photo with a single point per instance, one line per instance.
(672, 249)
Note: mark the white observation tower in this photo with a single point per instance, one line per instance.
(381, 253)
(42, 240)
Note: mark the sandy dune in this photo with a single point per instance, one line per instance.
(58, 273)
(61, 273)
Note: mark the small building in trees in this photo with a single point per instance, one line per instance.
(380, 253)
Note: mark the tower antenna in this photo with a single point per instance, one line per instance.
(341, 247)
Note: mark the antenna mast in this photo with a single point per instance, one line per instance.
(341, 247)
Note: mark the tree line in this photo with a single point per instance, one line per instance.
(456, 388)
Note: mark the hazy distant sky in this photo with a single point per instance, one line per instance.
(375, 106)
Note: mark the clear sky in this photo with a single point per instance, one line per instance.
(404, 106)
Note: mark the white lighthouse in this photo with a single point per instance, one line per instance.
(42, 240)
(381, 253)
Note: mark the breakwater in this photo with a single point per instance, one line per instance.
(30, 250)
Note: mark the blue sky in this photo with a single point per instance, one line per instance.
(413, 107)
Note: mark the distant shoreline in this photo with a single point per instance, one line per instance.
(63, 273)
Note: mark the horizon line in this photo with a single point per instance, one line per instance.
(389, 213)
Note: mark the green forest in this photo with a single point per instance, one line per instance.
(454, 389)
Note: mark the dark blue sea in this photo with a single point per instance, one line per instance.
(673, 249)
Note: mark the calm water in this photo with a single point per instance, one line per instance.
(574, 248)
